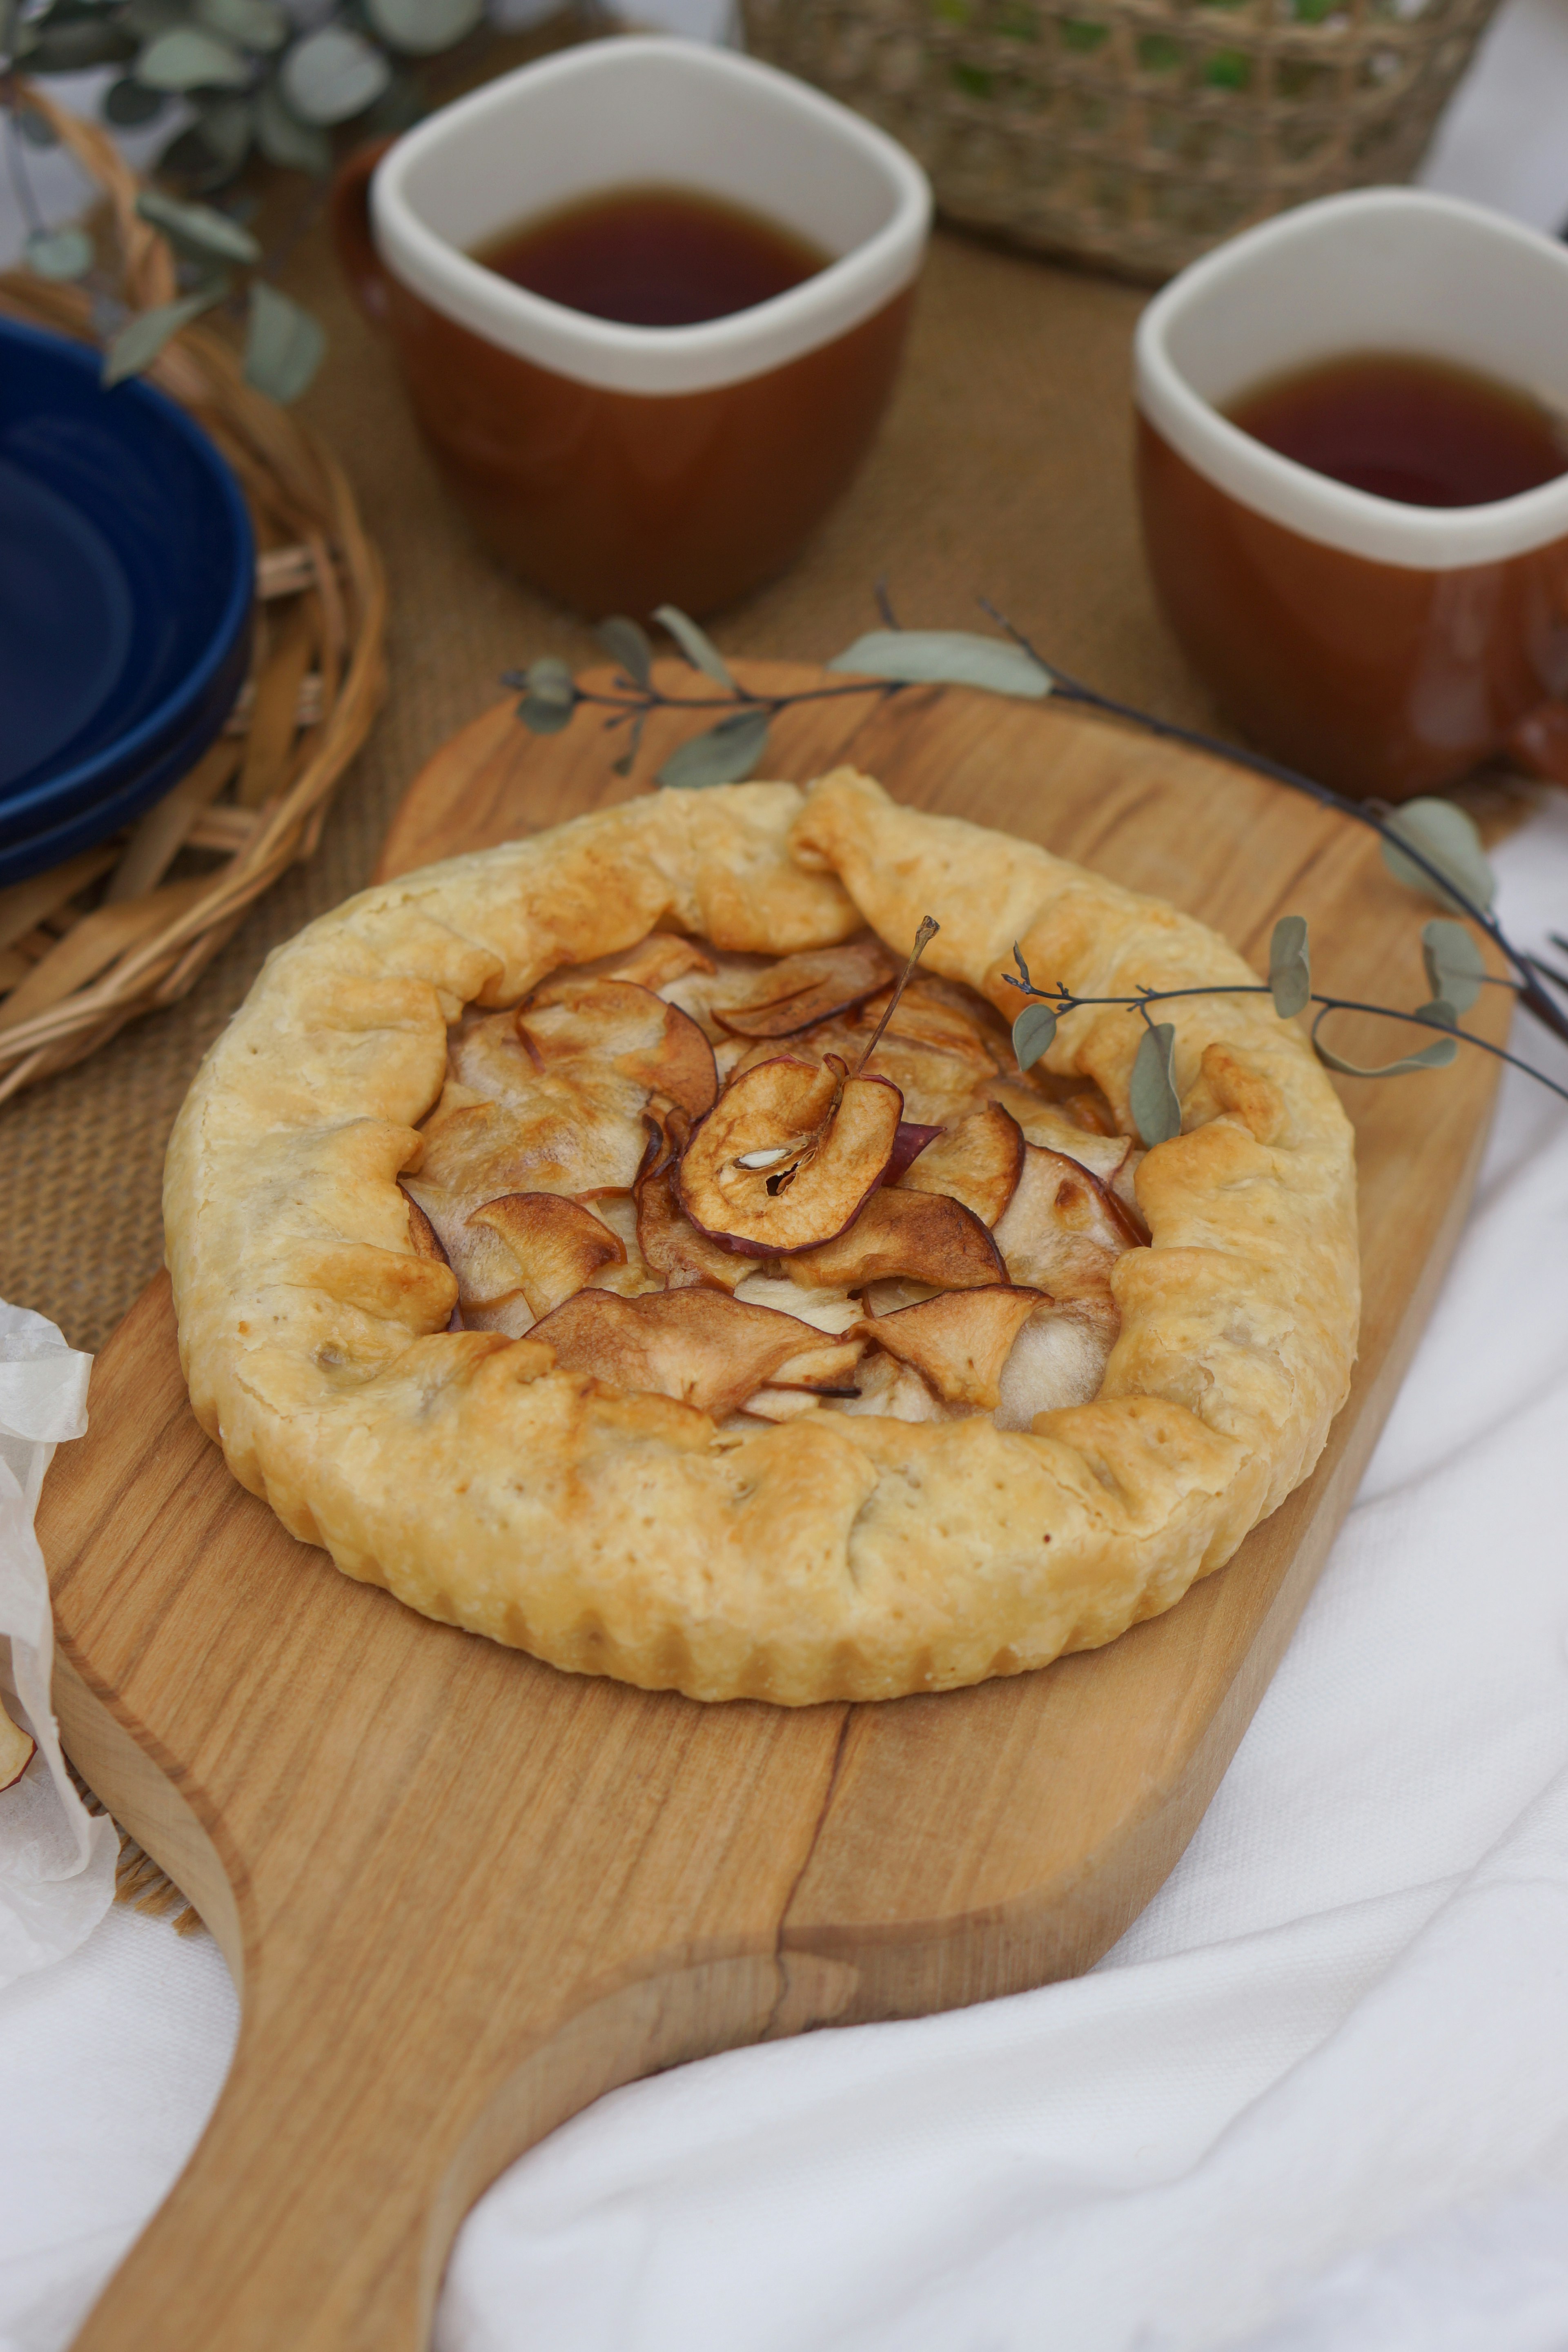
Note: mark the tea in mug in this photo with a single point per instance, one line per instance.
(653, 256)
(1404, 427)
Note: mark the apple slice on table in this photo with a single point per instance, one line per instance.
(959, 1341)
(788, 1155)
(923, 1236)
(800, 992)
(697, 1345)
(979, 1162)
(16, 1750)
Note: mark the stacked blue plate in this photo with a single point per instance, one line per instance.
(127, 579)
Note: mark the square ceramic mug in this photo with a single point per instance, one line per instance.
(622, 465)
(1384, 648)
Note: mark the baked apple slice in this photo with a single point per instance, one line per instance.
(556, 1244)
(801, 990)
(574, 1021)
(923, 1236)
(788, 1155)
(671, 1244)
(1048, 1124)
(1058, 1360)
(1063, 1230)
(979, 1162)
(697, 1345)
(959, 1340)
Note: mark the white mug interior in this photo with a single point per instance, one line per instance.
(1382, 270)
(632, 111)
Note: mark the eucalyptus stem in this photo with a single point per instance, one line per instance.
(1071, 689)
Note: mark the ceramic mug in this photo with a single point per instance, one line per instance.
(1384, 648)
(616, 466)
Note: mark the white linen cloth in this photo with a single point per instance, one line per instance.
(57, 1865)
(1315, 2101)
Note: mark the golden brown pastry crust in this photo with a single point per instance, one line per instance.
(850, 1557)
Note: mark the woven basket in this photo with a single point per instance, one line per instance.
(1133, 133)
(113, 933)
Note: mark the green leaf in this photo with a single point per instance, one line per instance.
(1156, 1107)
(148, 18)
(725, 755)
(284, 139)
(1032, 1034)
(137, 345)
(283, 344)
(1438, 1015)
(189, 58)
(1454, 966)
(1447, 838)
(254, 24)
(627, 644)
(59, 252)
(1435, 1056)
(129, 103)
(198, 228)
(1290, 966)
(544, 717)
(946, 657)
(420, 27)
(696, 644)
(331, 73)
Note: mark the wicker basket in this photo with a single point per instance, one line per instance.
(122, 928)
(1133, 133)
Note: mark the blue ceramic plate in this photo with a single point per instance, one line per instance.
(127, 576)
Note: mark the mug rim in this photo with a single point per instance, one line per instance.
(1296, 497)
(613, 355)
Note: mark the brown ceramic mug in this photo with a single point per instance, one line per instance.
(1384, 648)
(620, 466)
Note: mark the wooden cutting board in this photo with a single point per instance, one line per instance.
(461, 1893)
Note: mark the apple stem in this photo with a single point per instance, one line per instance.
(924, 937)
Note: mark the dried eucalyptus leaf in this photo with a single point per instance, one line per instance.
(1447, 837)
(284, 139)
(544, 716)
(198, 228)
(148, 18)
(697, 646)
(548, 680)
(188, 58)
(59, 253)
(1435, 1056)
(1290, 966)
(283, 344)
(627, 644)
(420, 27)
(129, 103)
(725, 755)
(1454, 966)
(946, 657)
(254, 24)
(1032, 1034)
(138, 345)
(1156, 1107)
(72, 44)
(333, 74)
(1438, 1015)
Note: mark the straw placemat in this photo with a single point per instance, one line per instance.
(1004, 468)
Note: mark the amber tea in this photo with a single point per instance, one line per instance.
(1404, 427)
(653, 256)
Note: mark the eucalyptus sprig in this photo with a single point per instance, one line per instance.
(1455, 973)
(1431, 845)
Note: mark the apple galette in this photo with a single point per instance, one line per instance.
(607, 1244)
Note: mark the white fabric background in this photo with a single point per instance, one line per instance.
(1315, 2101)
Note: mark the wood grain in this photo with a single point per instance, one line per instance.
(463, 1894)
